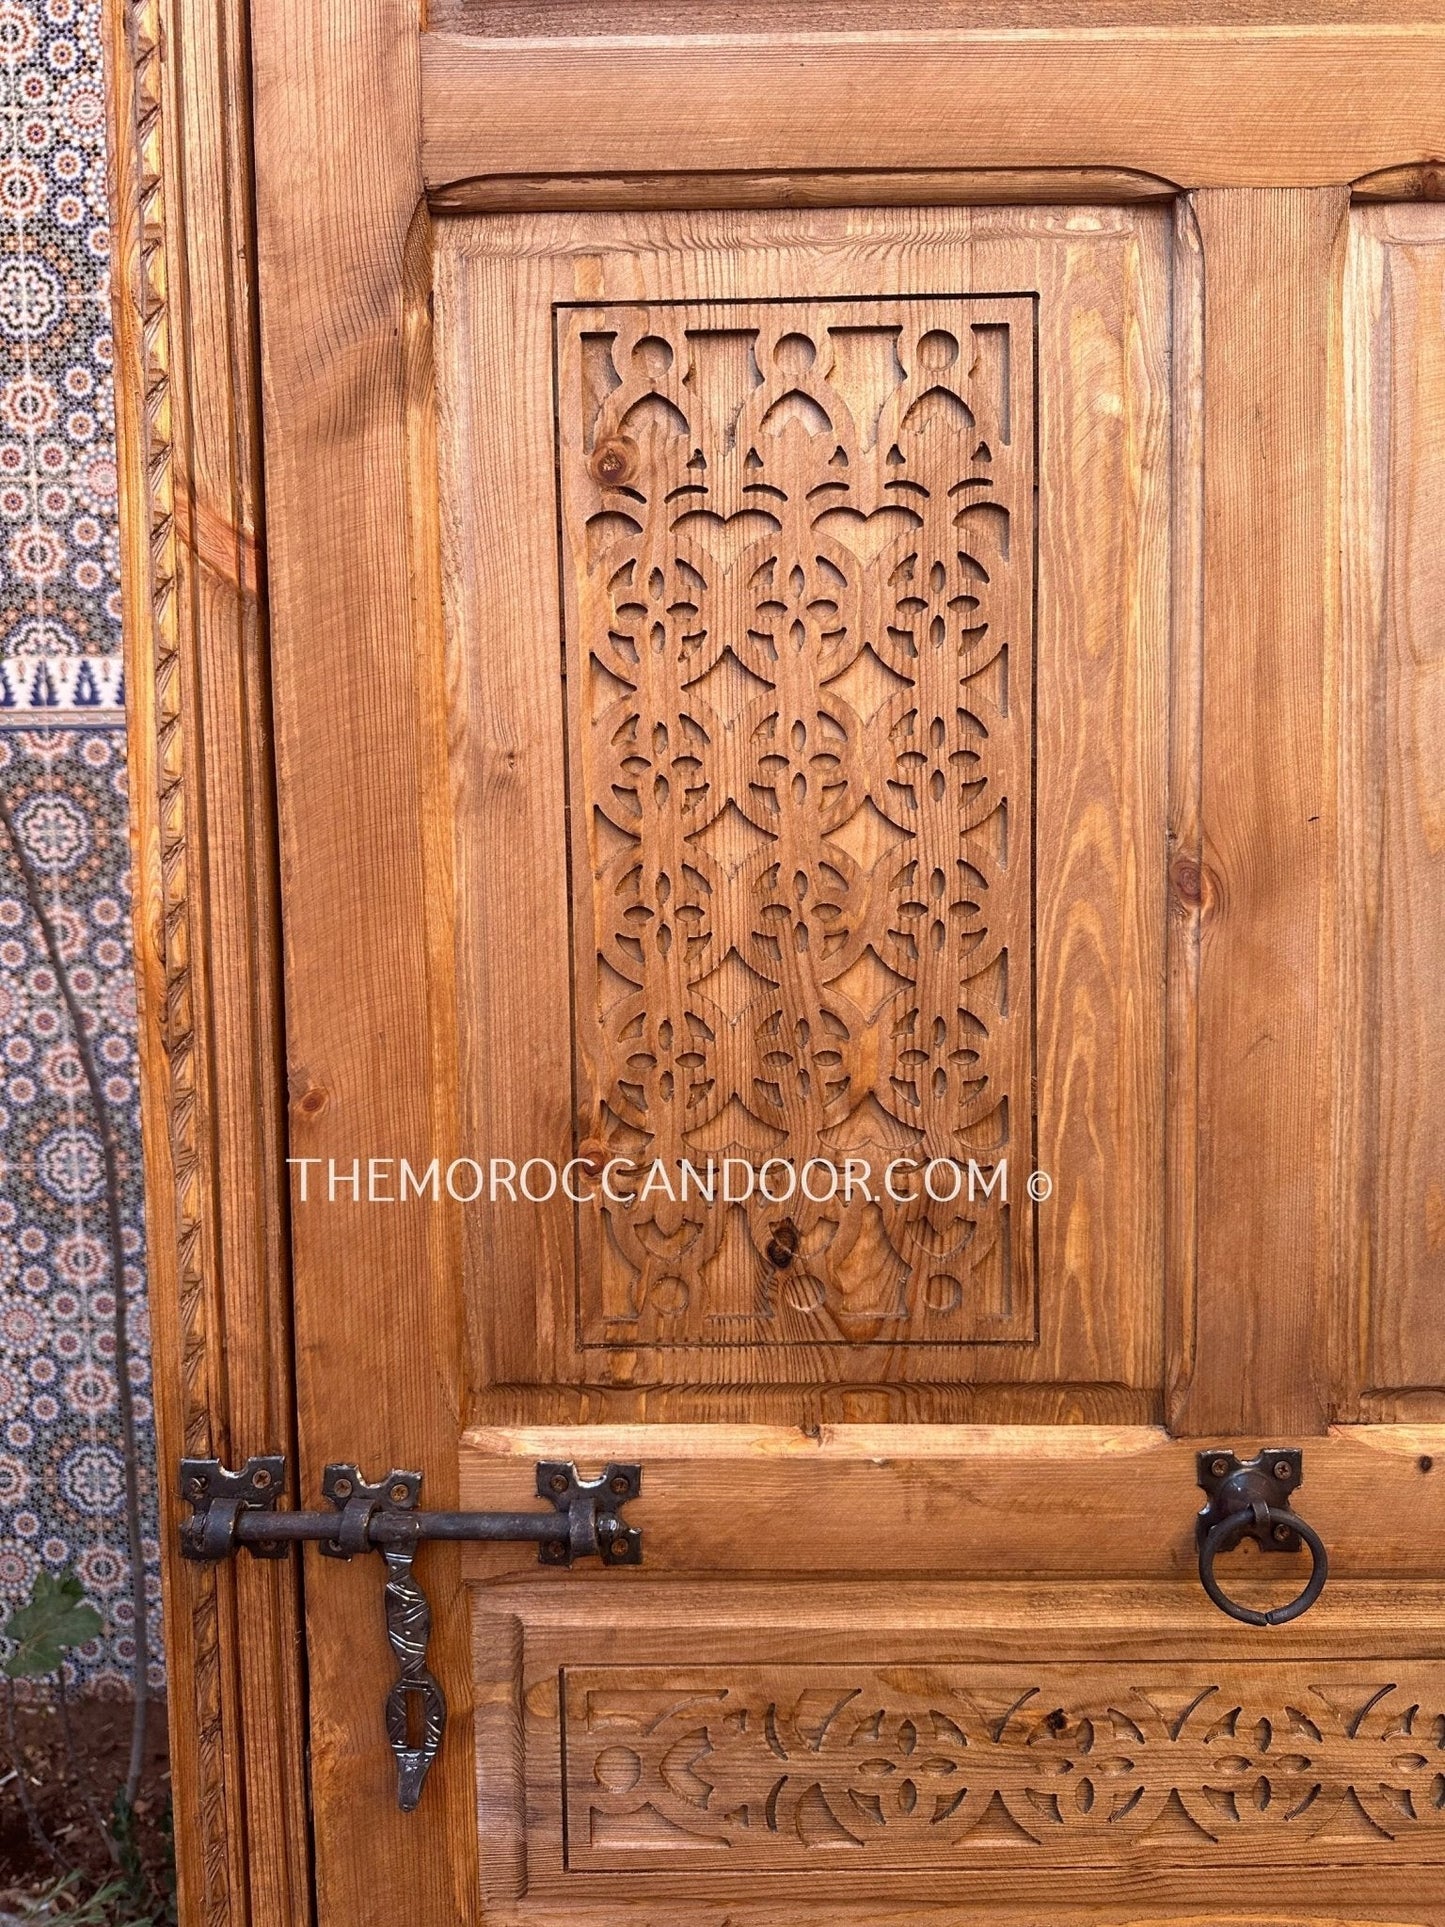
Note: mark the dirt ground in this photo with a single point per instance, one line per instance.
(73, 1760)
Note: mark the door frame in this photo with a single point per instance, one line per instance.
(200, 730)
(206, 923)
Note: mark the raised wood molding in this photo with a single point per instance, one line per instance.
(528, 18)
(205, 915)
(802, 187)
(1200, 106)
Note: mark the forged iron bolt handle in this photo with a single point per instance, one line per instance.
(234, 1509)
(1250, 1499)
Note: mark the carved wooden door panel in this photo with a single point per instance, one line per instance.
(853, 652)
(757, 858)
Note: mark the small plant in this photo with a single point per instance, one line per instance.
(34, 1643)
(68, 1903)
(65, 1902)
(55, 1619)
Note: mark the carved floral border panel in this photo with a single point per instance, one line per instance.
(774, 1769)
(798, 550)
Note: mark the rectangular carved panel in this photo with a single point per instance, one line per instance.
(798, 550)
(781, 1768)
(807, 581)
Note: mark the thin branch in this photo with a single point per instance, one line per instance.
(32, 1813)
(82, 1776)
(110, 1149)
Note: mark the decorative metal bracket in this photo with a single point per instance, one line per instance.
(234, 1509)
(1250, 1499)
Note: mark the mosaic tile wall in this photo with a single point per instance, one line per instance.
(62, 769)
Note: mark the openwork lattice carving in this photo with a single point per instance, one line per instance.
(798, 542)
(805, 1765)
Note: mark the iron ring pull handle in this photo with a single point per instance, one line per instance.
(1262, 1519)
(1251, 1499)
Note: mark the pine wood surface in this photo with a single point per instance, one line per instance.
(1083, 1500)
(868, 1720)
(832, 1329)
(1201, 105)
(1245, 909)
(208, 968)
(346, 400)
(529, 19)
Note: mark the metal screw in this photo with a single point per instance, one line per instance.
(1283, 1469)
(619, 1548)
(342, 1488)
(558, 1482)
(1281, 1532)
(196, 1488)
(1219, 1467)
(619, 1484)
(400, 1493)
(261, 1479)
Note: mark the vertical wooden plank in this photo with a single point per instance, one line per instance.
(206, 918)
(1273, 261)
(357, 666)
(1184, 885)
(1391, 1052)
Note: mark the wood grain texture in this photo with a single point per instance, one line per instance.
(530, 18)
(735, 1770)
(1201, 106)
(348, 393)
(805, 187)
(1187, 815)
(799, 557)
(1272, 266)
(1185, 866)
(1425, 182)
(1391, 1061)
(1098, 928)
(980, 1767)
(207, 958)
(1066, 1501)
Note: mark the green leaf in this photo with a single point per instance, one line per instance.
(56, 1618)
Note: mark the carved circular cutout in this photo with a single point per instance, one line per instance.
(618, 1769)
(669, 1296)
(943, 1292)
(937, 350)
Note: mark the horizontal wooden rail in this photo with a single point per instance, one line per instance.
(980, 1501)
(1198, 106)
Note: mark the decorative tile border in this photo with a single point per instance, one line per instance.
(60, 1437)
(62, 765)
(59, 541)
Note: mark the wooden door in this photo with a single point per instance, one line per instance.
(846, 675)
